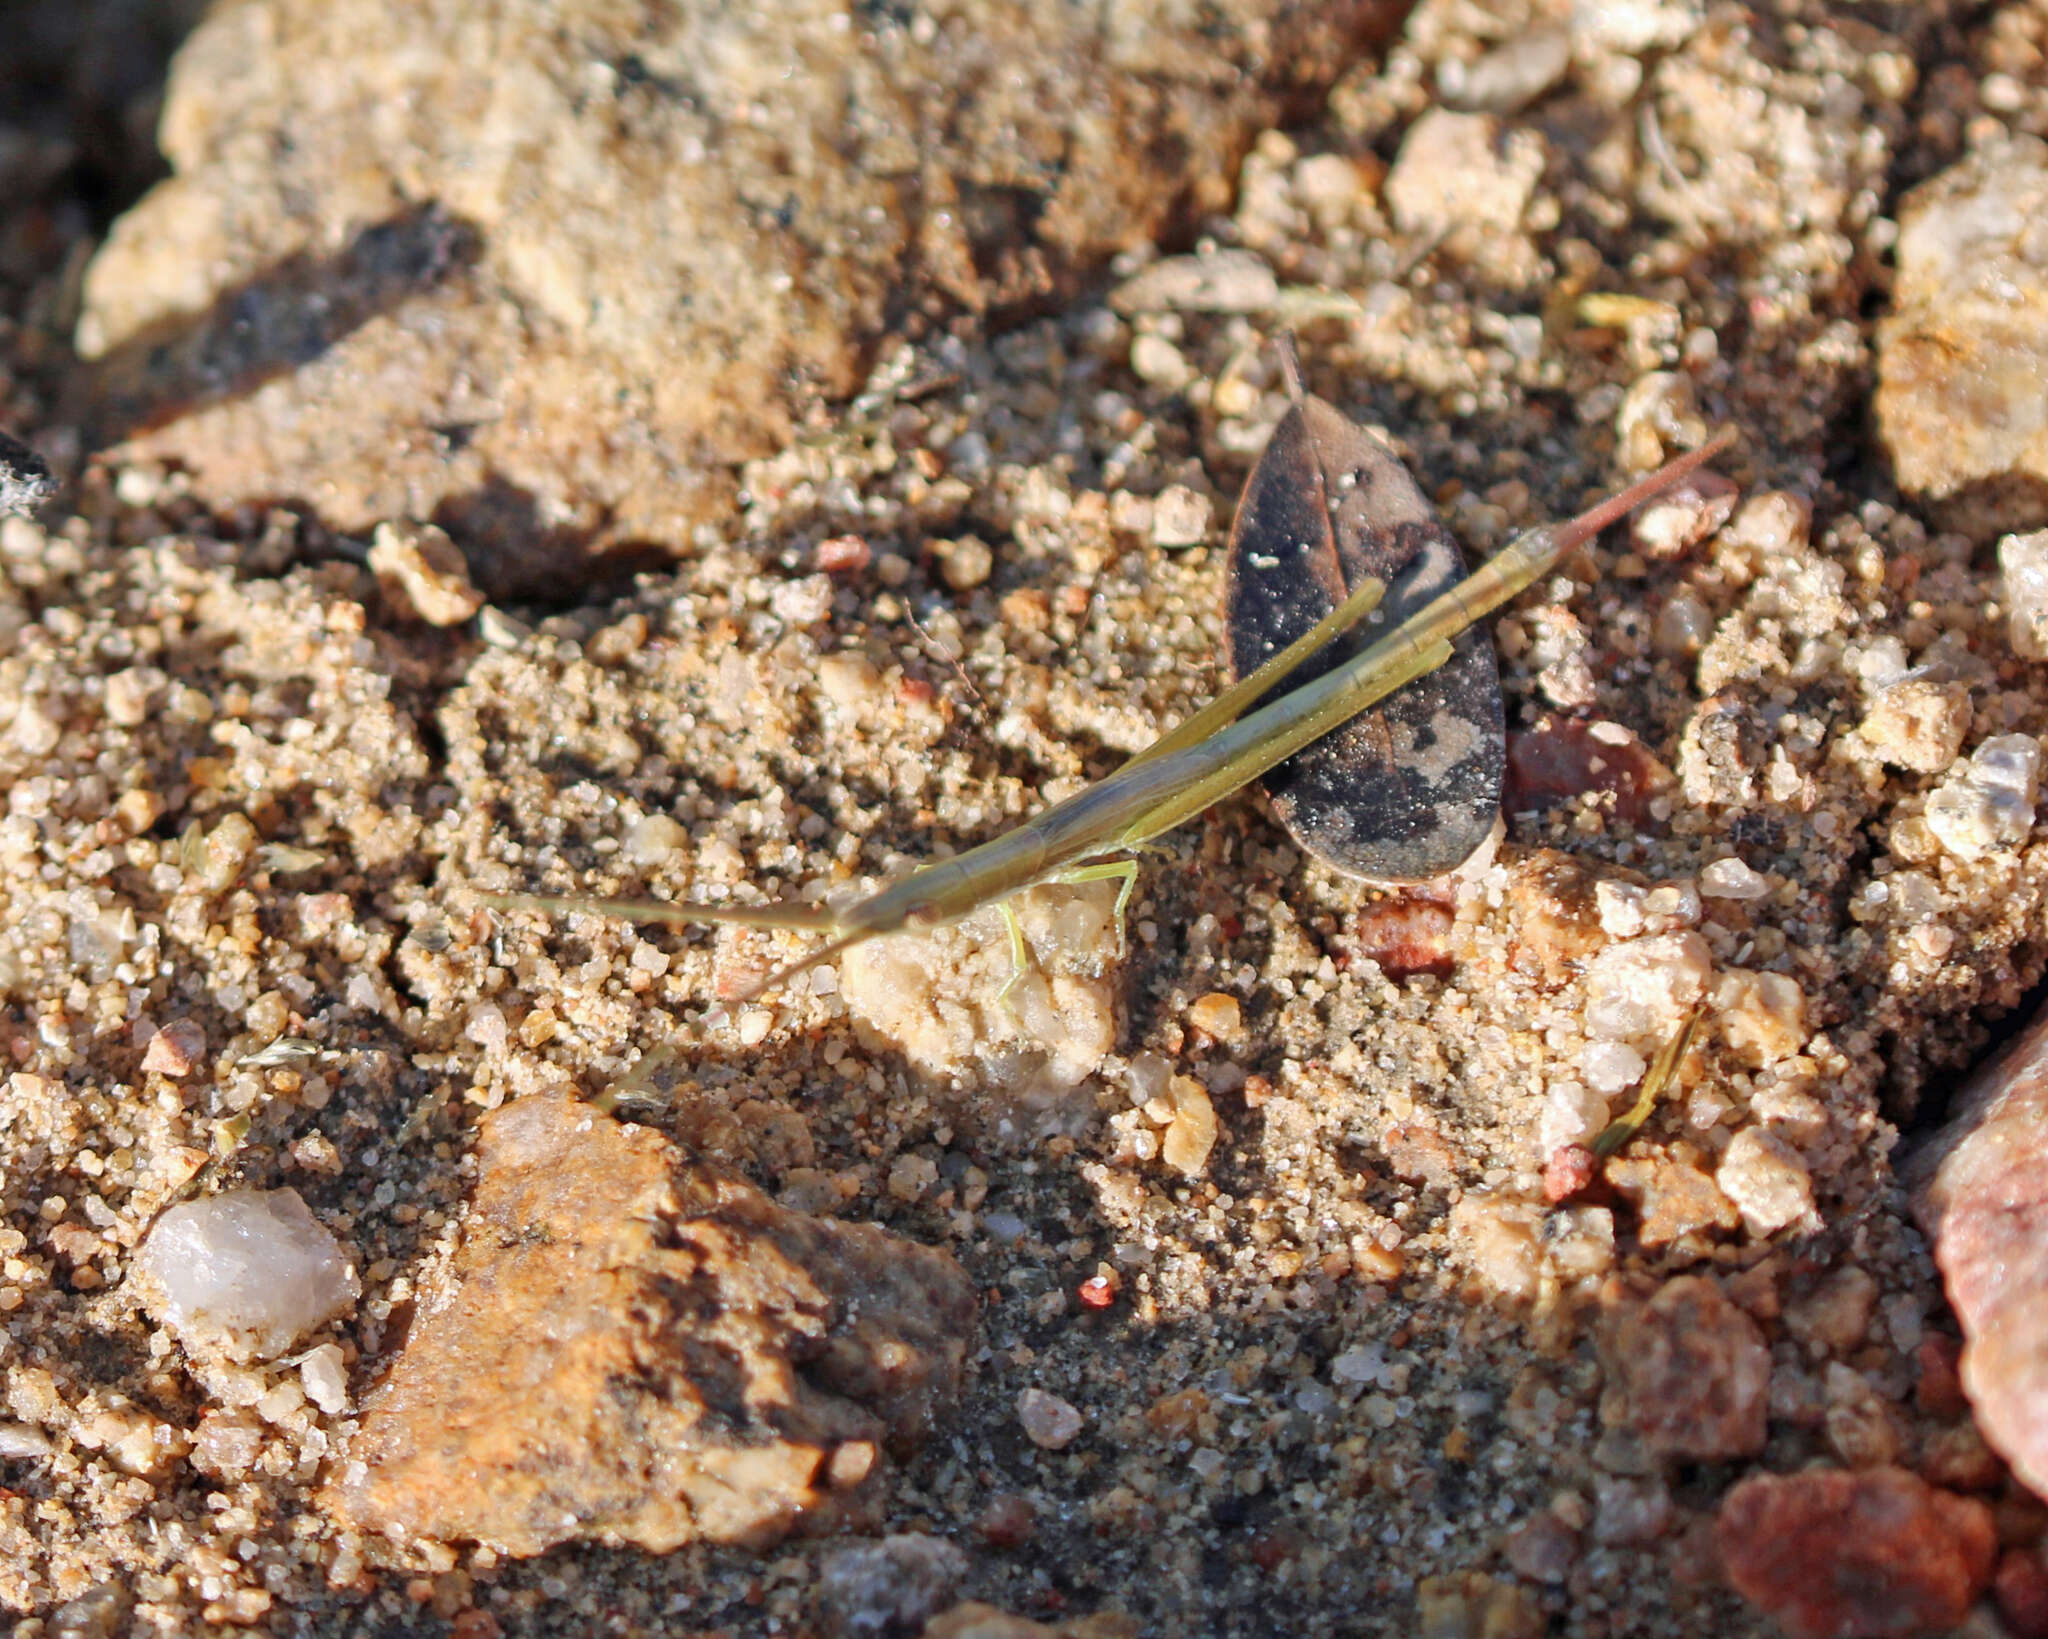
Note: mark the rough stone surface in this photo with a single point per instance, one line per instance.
(248, 806)
(1959, 400)
(554, 306)
(636, 1350)
(422, 570)
(945, 1000)
(1981, 1194)
(879, 1589)
(1866, 1555)
(1986, 805)
(1686, 1370)
(247, 1271)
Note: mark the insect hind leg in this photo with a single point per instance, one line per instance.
(1121, 871)
(1124, 871)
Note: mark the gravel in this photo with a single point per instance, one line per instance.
(250, 800)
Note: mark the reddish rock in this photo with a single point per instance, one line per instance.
(1687, 1371)
(1405, 934)
(1868, 1554)
(1981, 1194)
(1542, 1548)
(2021, 1588)
(636, 1349)
(1672, 1197)
(1570, 1171)
(1563, 757)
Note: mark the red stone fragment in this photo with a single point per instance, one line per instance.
(1571, 1169)
(1564, 757)
(1098, 1291)
(1876, 1553)
(1006, 1521)
(1686, 1369)
(1272, 1549)
(1405, 934)
(2021, 1589)
(843, 554)
(1939, 1390)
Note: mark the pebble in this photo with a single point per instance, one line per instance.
(1980, 1191)
(842, 554)
(1406, 934)
(1050, 1423)
(1542, 1548)
(1190, 1127)
(1570, 1169)
(1672, 1198)
(943, 996)
(966, 563)
(1835, 1317)
(1762, 1015)
(1917, 724)
(1641, 990)
(2023, 562)
(1986, 805)
(1006, 1520)
(803, 602)
(1217, 1015)
(423, 571)
(1511, 76)
(2020, 1585)
(324, 1377)
(248, 1272)
(1835, 1554)
(1222, 281)
(1462, 171)
(876, 1590)
(1732, 879)
(1156, 360)
(1611, 1067)
(1630, 1513)
(654, 840)
(175, 1050)
(1765, 1178)
(1551, 899)
(1959, 402)
(1686, 1370)
(1473, 1605)
(1180, 517)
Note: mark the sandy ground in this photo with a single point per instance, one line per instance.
(1355, 1373)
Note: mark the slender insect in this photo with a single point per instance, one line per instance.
(1092, 835)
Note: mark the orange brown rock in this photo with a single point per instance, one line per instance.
(635, 1349)
(1874, 1553)
(1686, 1369)
(1563, 757)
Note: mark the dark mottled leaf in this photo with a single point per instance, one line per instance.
(1410, 789)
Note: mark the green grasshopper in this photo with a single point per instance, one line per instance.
(1092, 835)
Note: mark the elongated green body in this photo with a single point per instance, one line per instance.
(1216, 752)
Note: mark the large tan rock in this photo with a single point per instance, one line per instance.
(1962, 397)
(545, 272)
(636, 1350)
